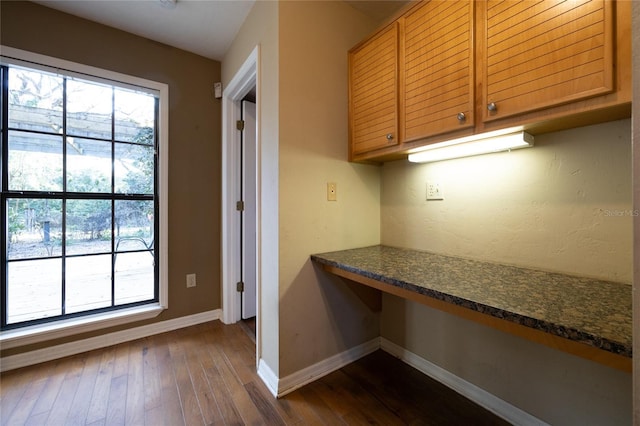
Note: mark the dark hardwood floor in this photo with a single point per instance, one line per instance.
(249, 326)
(205, 374)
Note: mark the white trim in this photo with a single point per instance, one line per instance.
(244, 80)
(162, 251)
(97, 342)
(307, 375)
(499, 407)
(36, 60)
(71, 326)
(93, 322)
(268, 377)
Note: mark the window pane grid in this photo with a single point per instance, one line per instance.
(102, 239)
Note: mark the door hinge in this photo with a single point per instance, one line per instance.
(240, 286)
(240, 125)
(240, 206)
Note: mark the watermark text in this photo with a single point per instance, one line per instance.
(620, 213)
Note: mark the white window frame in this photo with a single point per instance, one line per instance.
(71, 326)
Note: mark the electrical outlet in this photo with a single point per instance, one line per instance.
(332, 191)
(434, 191)
(191, 280)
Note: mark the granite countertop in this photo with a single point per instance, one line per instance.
(586, 310)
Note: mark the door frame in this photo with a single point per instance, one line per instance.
(243, 81)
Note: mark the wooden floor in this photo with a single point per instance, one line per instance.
(205, 374)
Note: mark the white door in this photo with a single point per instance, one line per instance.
(249, 220)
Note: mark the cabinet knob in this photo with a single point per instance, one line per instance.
(492, 107)
(389, 136)
(461, 117)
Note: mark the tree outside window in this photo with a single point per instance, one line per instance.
(79, 196)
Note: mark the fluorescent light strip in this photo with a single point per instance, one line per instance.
(466, 148)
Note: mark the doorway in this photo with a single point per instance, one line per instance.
(248, 219)
(240, 242)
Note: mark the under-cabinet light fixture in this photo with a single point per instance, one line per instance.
(472, 145)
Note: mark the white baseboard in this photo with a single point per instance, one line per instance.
(268, 377)
(281, 387)
(66, 349)
(307, 375)
(472, 392)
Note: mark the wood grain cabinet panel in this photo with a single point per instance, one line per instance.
(445, 69)
(373, 93)
(539, 54)
(437, 86)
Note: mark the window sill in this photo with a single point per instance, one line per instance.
(42, 332)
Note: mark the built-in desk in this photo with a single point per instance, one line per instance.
(583, 316)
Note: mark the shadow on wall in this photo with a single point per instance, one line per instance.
(320, 317)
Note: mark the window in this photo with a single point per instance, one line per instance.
(80, 194)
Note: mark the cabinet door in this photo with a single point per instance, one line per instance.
(437, 69)
(373, 93)
(539, 54)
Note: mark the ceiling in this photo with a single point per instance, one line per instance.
(204, 27)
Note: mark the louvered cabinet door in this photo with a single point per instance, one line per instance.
(540, 54)
(373, 93)
(438, 69)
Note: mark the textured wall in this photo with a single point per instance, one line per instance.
(562, 205)
(556, 387)
(303, 102)
(320, 317)
(260, 28)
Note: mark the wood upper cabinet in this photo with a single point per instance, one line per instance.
(373, 93)
(437, 69)
(445, 69)
(539, 54)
